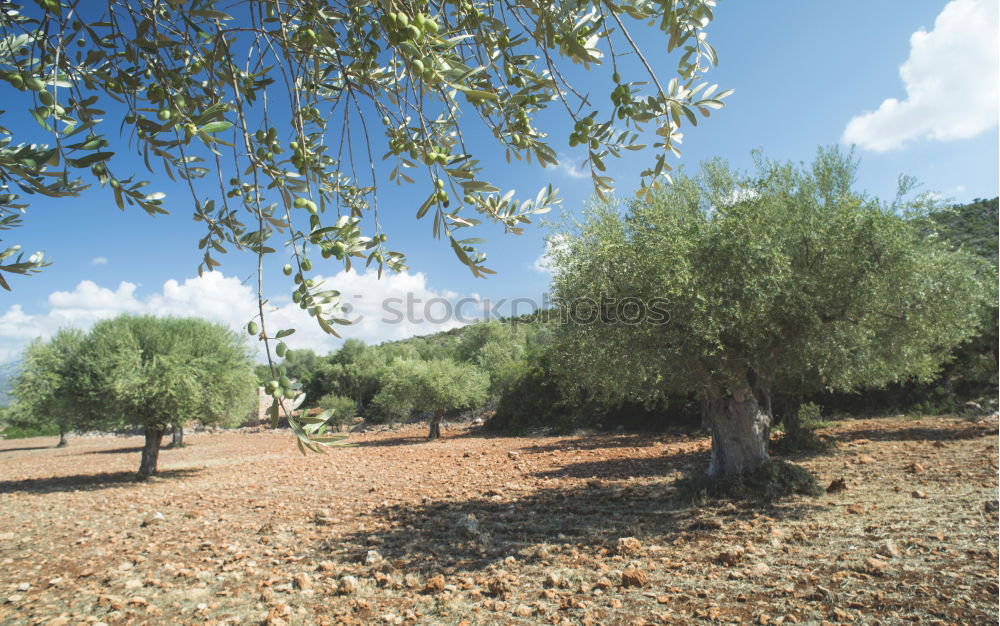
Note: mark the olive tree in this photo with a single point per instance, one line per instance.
(46, 383)
(431, 386)
(732, 285)
(273, 115)
(151, 373)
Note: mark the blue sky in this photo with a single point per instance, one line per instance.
(805, 73)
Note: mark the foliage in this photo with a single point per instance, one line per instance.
(800, 434)
(191, 87)
(45, 386)
(339, 408)
(773, 480)
(414, 385)
(154, 372)
(784, 279)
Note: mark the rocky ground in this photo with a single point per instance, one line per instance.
(239, 528)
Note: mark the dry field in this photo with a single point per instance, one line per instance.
(239, 528)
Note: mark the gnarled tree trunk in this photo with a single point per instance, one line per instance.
(177, 436)
(435, 432)
(740, 420)
(150, 451)
(63, 442)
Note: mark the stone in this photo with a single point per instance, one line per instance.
(24, 586)
(348, 585)
(628, 545)
(523, 610)
(731, 557)
(553, 579)
(411, 581)
(837, 485)
(468, 527)
(634, 578)
(919, 495)
(372, 557)
(889, 549)
(152, 519)
(434, 584)
(875, 566)
(302, 582)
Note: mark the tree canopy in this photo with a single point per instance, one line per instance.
(273, 115)
(735, 285)
(45, 383)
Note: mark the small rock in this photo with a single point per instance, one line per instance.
(13, 599)
(523, 610)
(874, 566)
(731, 557)
(324, 518)
(411, 581)
(512, 454)
(759, 570)
(58, 621)
(634, 578)
(24, 586)
(918, 494)
(553, 579)
(628, 545)
(133, 583)
(707, 523)
(153, 518)
(889, 549)
(991, 506)
(603, 583)
(915, 468)
(467, 527)
(838, 484)
(327, 566)
(372, 557)
(348, 585)
(302, 582)
(435, 584)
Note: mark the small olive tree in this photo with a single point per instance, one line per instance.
(45, 385)
(736, 285)
(153, 372)
(434, 386)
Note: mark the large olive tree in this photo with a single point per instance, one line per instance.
(733, 285)
(274, 113)
(151, 373)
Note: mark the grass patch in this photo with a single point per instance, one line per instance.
(17, 432)
(773, 480)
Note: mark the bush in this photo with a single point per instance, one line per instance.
(341, 408)
(773, 480)
(800, 435)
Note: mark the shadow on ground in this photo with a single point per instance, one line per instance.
(26, 448)
(85, 482)
(919, 433)
(472, 534)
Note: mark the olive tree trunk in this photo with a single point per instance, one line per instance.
(177, 436)
(150, 452)
(435, 432)
(63, 442)
(740, 421)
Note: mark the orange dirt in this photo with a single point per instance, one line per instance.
(487, 530)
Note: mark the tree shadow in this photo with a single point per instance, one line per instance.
(129, 450)
(85, 482)
(411, 440)
(622, 468)
(28, 448)
(472, 534)
(609, 441)
(918, 433)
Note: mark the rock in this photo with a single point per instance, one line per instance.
(348, 585)
(634, 578)
(327, 566)
(707, 523)
(324, 518)
(889, 549)
(133, 583)
(915, 468)
(731, 557)
(553, 579)
(477, 422)
(838, 484)
(628, 545)
(918, 494)
(523, 610)
(874, 566)
(864, 459)
(138, 601)
(513, 454)
(603, 583)
(24, 586)
(153, 519)
(759, 570)
(991, 506)
(383, 580)
(468, 527)
(58, 621)
(372, 557)
(14, 599)
(411, 581)
(302, 582)
(435, 584)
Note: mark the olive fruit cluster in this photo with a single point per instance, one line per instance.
(436, 155)
(280, 388)
(581, 133)
(621, 97)
(268, 144)
(399, 27)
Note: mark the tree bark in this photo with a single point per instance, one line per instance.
(63, 442)
(177, 436)
(435, 432)
(150, 451)
(740, 421)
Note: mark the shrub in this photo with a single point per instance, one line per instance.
(341, 408)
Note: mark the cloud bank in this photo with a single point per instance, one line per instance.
(379, 306)
(951, 82)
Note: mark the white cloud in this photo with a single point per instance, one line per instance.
(543, 263)
(951, 81)
(571, 167)
(99, 260)
(395, 307)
